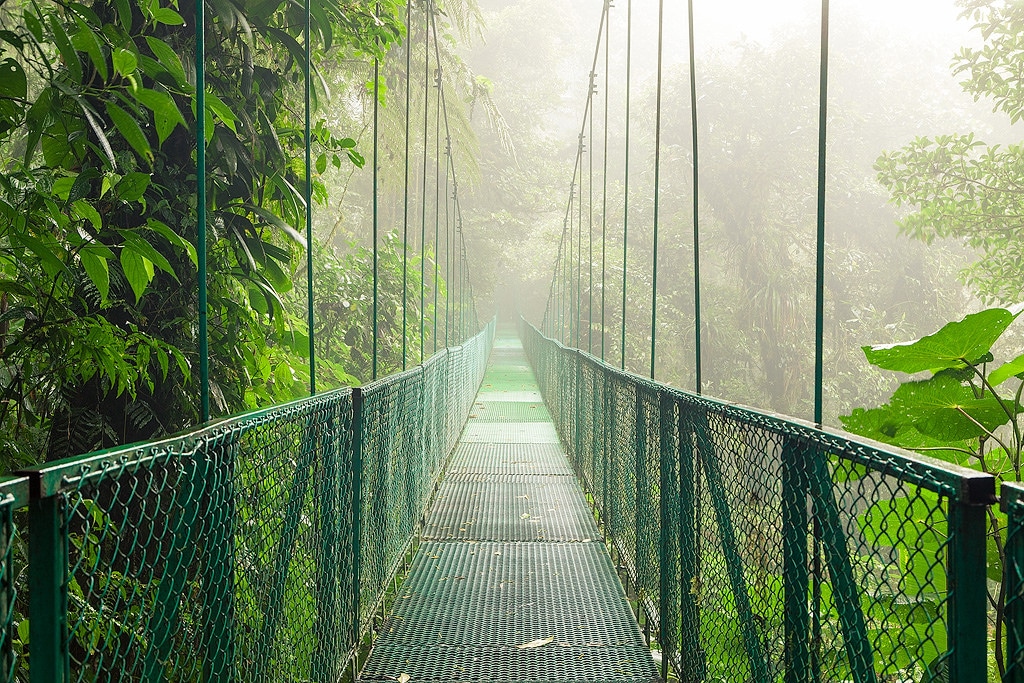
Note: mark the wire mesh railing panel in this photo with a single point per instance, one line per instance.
(1012, 504)
(213, 555)
(766, 549)
(255, 549)
(14, 496)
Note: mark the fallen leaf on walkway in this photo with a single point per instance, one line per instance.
(536, 643)
(404, 678)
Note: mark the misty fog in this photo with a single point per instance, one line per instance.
(757, 89)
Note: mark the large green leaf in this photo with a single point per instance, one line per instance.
(1004, 372)
(125, 61)
(174, 238)
(12, 79)
(97, 269)
(278, 222)
(147, 251)
(86, 40)
(130, 130)
(945, 409)
(168, 58)
(880, 423)
(966, 340)
(137, 268)
(66, 49)
(165, 112)
(132, 186)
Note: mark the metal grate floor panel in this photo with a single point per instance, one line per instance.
(509, 432)
(510, 665)
(509, 411)
(509, 594)
(527, 396)
(509, 458)
(511, 556)
(510, 508)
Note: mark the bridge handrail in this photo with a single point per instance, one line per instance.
(259, 547)
(760, 546)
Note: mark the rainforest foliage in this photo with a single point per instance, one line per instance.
(98, 210)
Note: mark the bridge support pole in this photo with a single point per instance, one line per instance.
(48, 609)
(668, 561)
(692, 663)
(968, 599)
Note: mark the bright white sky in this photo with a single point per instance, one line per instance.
(720, 22)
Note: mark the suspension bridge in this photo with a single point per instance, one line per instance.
(513, 508)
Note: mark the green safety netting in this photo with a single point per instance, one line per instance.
(764, 549)
(255, 549)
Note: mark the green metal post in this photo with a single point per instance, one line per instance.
(819, 285)
(357, 512)
(204, 340)
(642, 494)
(795, 575)
(7, 591)
(47, 584)
(308, 86)
(625, 201)
(604, 176)
(423, 202)
(437, 182)
(609, 414)
(657, 189)
(590, 233)
(405, 194)
(691, 655)
(1011, 504)
(968, 596)
(696, 204)
(668, 543)
(837, 556)
(376, 204)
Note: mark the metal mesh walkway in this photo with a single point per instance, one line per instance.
(511, 558)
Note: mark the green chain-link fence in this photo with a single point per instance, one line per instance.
(13, 496)
(1012, 503)
(760, 548)
(255, 549)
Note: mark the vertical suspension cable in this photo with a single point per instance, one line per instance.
(819, 280)
(376, 202)
(423, 221)
(625, 190)
(457, 311)
(437, 190)
(590, 210)
(579, 251)
(696, 203)
(309, 210)
(657, 187)
(569, 265)
(405, 194)
(204, 340)
(447, 238)
(819, 325)
(573, 317)
(450, 168)
(604, 176)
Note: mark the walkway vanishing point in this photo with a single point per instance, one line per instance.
(512, 581)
